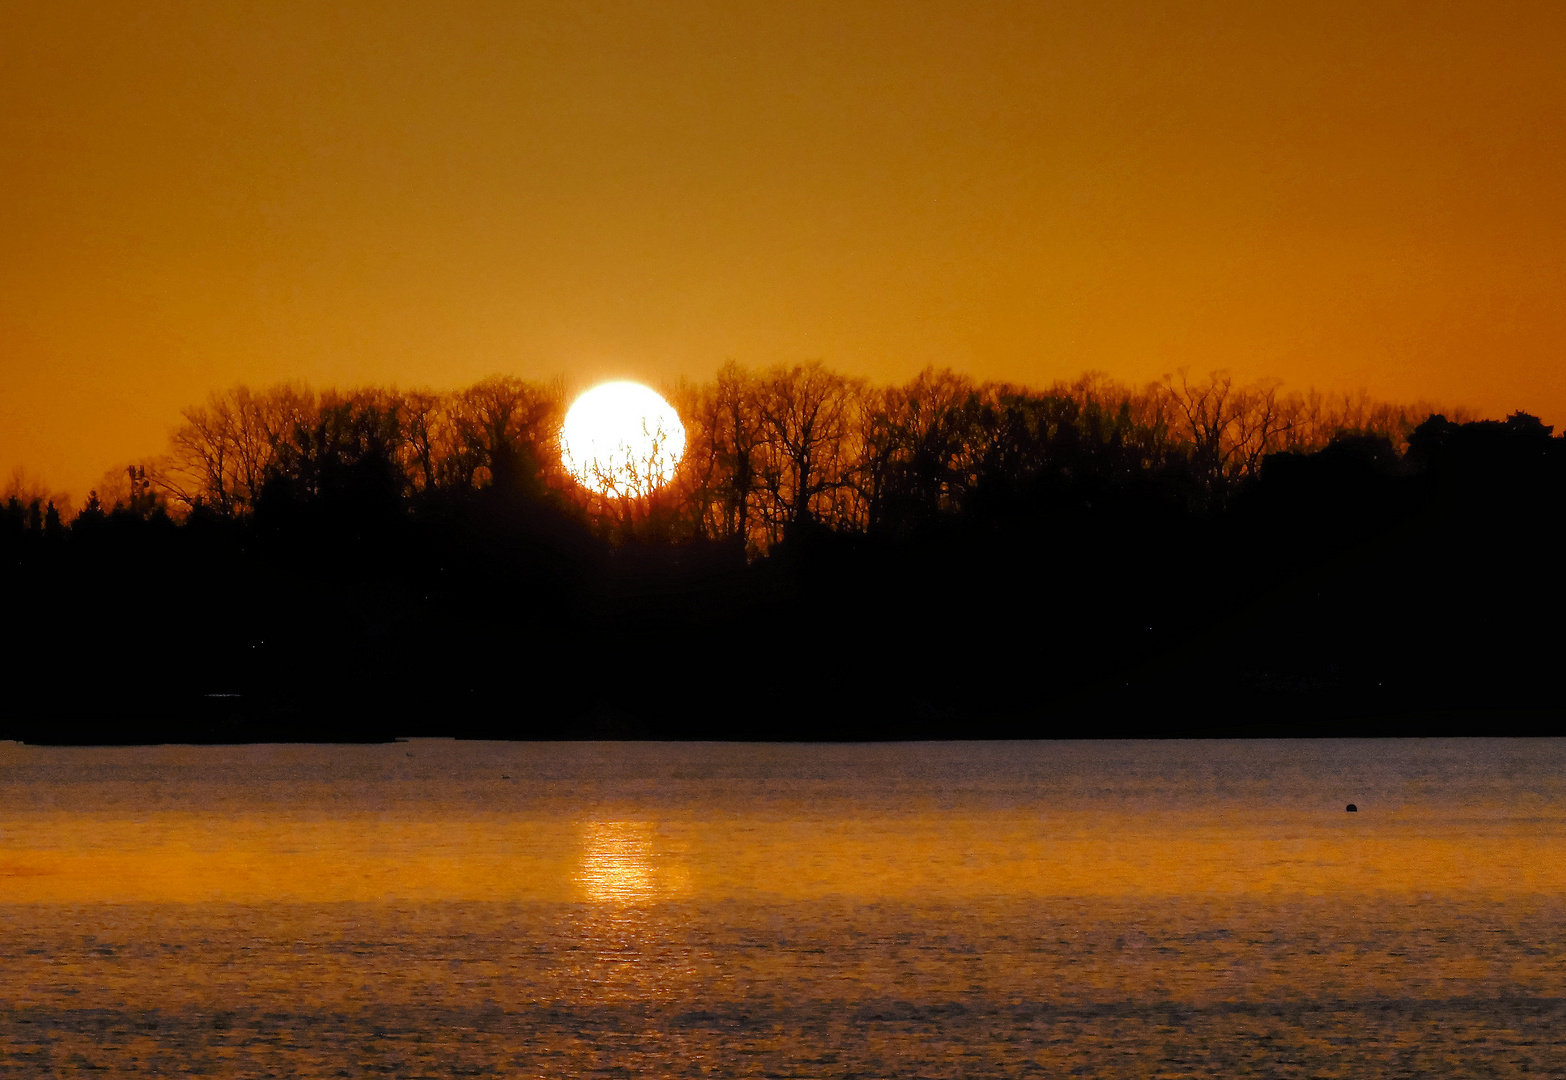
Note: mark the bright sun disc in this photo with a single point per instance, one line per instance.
(622, 439)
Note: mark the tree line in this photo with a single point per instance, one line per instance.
(834, 559)
(769, 453)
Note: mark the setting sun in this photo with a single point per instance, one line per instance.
(622, 440)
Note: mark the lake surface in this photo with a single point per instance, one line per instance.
(1110, 909)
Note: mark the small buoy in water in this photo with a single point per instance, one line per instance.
(1351, 809)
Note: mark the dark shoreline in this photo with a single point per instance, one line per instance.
(1354, 591)
(1518, 724)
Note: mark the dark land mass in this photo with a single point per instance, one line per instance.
(1356, 590)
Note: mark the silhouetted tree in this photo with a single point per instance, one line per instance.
(92, 514)
(508, 431)
(806, 415)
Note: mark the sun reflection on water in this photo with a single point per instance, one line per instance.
(619, 863)
(628, 870)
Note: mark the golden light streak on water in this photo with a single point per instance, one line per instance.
(618, 863)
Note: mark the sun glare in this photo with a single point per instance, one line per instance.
(622, 440)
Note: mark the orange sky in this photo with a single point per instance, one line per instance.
(1360, 195)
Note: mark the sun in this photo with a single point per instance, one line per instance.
(621, 440)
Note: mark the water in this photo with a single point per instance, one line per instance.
(939, 910)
